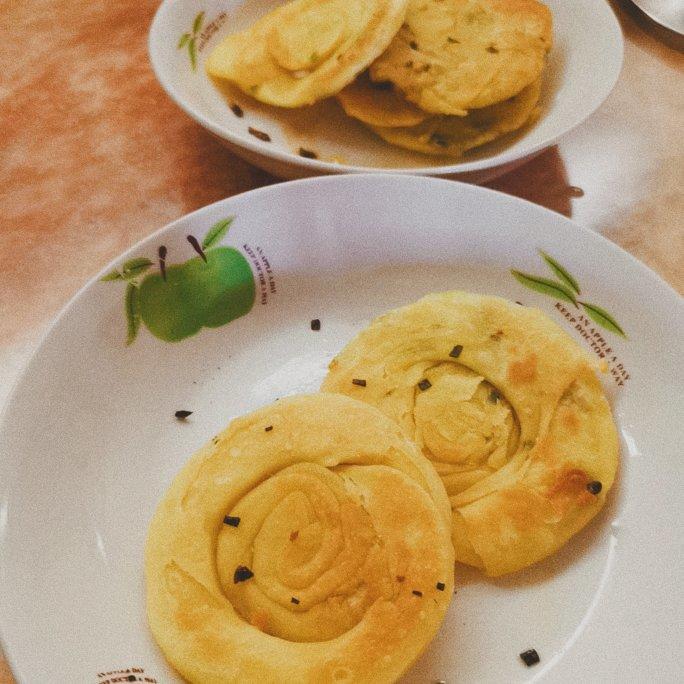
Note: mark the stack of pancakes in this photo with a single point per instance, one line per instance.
(435, 76)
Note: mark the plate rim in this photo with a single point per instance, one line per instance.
(320, 166)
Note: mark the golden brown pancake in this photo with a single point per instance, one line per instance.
(508, 408)
(308, 542)
(306, 50)
(452, 56)
(455, 135)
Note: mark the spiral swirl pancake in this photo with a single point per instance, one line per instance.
(308, 542)
(506, 406)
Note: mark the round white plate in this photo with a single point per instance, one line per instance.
(89, 442)
(582, 69)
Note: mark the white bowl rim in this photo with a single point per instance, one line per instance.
(501, 159)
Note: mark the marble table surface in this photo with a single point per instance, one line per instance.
(94, 157)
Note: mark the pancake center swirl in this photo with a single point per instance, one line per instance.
(463, 424)
(317, 560)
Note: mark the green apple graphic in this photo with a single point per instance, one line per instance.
(176, 302)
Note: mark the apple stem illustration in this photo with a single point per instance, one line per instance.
(162, 261)
(197, 247)
(178, 300)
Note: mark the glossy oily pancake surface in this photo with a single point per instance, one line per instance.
(454, 135)
(508, 409)
(307, 50)
(307, 542)
(454, 55)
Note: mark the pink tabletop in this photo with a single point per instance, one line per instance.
(95, 157)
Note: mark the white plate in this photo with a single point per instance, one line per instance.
(583, 67)
(89, 441)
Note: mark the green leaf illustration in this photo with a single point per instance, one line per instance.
(134, 267)
(603, 318)
(183, 40)
(217, 232)
(560, 272)
(112, 275)
(132, 304)
(548, 287)
(193, 53)
(197, 24)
